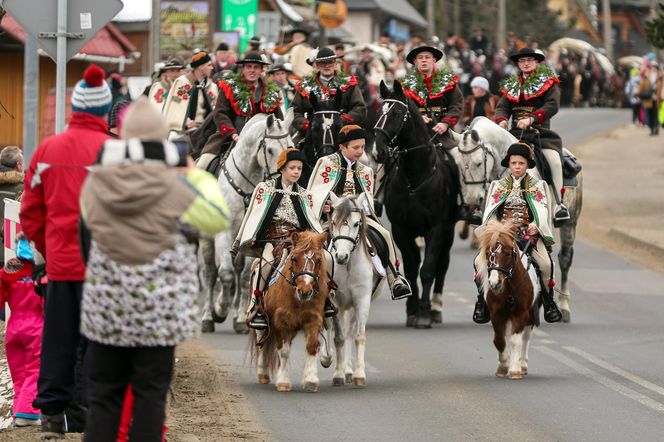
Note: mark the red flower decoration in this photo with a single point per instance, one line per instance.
(324, 174)
(187, 87)
(260, 190)
(326, 180)
(180, 92)
(328, 168)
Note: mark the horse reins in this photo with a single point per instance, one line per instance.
(328, 136)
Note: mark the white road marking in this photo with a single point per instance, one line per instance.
(603, 380)
(619, 371)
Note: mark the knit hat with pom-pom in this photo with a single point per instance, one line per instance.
(92, 94)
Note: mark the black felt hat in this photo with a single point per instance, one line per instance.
(253, 57)
(528, 52)
(324, 54)
(437, 53)
(521, 149)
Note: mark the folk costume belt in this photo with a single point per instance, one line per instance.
(517, 215)
(281, 230)
(523, 111)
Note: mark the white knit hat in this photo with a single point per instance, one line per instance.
(481, 83)
(144, 121)
(92, 94)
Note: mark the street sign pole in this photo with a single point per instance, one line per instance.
(61, 67)
(30, 97)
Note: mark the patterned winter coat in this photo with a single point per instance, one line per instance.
(141, 284)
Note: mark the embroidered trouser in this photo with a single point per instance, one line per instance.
(391, 251)
(556, 166)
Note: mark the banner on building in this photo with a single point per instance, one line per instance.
(184, 27)
(240, 16)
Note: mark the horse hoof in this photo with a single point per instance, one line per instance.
(501, 372)
(423, 322)
(359, 382)
(566, 316)
(207, 326)
(311, 387)
(326, 361)
(516, 375)
(263, 379)
(436, 317)
(284, 388)
(240, 327)
(338, 382)
(349, 378)
(524, 370)
(217, 318)
(410, 321)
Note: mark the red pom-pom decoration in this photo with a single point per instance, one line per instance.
(563, 190)
(258, 292)
(552, 283)
(94, 76)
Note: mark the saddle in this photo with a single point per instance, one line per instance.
(571, 168)
(379, 245)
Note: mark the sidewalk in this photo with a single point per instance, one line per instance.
(623, 201)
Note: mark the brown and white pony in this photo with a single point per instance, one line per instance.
(294, 302)
(511, 291)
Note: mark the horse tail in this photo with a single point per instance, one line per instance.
(268, 346)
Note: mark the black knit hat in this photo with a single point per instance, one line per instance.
(528, 52)
(521, 149)
(253, 57)
(355, 134)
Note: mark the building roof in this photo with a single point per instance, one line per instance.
(108, 42)
(400, 9)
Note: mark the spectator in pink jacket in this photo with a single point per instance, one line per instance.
(24, 332)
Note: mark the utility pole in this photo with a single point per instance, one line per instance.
(30, 97)
(502, 25)
(444, 18)
(155, 30)
(431, 20)
(456, 13)
(606, 24)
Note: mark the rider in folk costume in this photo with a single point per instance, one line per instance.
(522, 201)
(278, 208)
(242, 95)
(531, 98)
(343, 174)
(279, 73)
(436, 93)
(326, 82)
(192, 96)
(297, 52)
(168, 73)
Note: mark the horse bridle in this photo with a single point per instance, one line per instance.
(485, 181)
(492, 263)
(308, 258)
(328, 136)
(355, 240)
(246, 196)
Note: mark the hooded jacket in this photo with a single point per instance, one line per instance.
(141, 283)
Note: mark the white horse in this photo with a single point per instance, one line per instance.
(358, 285)
(250, 161)
(479, 153)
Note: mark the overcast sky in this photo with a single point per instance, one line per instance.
(135, 10)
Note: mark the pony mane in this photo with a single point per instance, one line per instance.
(494, 232)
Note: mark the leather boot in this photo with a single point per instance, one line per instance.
(256, 318)
(481, 313)
(400, 288)
(330, 309)
(551, 311)
(53, 426)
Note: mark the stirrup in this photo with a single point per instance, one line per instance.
(561, 213)
(404, 291)
(481, 313)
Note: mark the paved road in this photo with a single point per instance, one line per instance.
(599, 378)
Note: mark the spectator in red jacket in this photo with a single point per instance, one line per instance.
(49, 216)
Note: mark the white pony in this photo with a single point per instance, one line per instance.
(478, 154)
(250, 161)
(358, 285)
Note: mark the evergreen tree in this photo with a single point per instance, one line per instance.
(655, 28)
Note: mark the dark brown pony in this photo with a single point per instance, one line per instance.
(294, 302)
(512, 295)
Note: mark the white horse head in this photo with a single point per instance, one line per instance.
(479, 153)
(348, 227)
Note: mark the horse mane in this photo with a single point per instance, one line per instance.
(343, 210)
(494, 232)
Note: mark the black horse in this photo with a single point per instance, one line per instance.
(323, 134)
(420, 199)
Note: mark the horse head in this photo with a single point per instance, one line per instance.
(271, 140)
(308, 271)
(398, 116)
(499, 255)
(325, 125)
(476, 164)
(348, 227)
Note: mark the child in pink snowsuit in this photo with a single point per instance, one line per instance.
(24, 332)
